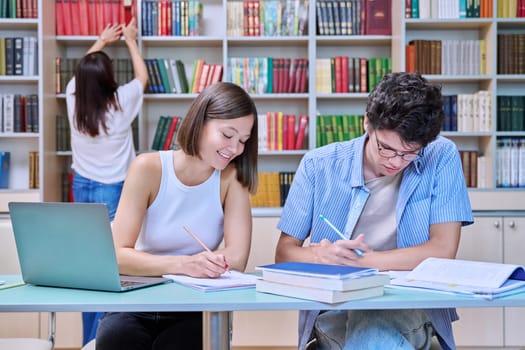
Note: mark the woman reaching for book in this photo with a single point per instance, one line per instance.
(100, 114)
(205, 186)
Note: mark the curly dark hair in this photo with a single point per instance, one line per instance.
(408, 104)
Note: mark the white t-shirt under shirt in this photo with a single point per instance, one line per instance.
(106, 157)
(176, 204)
(378, 219)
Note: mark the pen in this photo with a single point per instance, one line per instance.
(198, 240)
(356, 250)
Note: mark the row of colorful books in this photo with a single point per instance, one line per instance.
(510, 8)
(18, 9)
(353, 17)
(510, 113)
(468, 112)
(90, 17)
(325, 283)
(267, 18)
(65, 70)
(510, 162)
(280, 131)
(165, 137)
(171, 17)
(338, 127)
(511, 53)
(447, 57)
(169, 76)
(272, 189)
(445, 9)
(18, 56)
(343, 74)
(260, 75)
(19, 113)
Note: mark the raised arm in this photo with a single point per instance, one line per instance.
(139, 67)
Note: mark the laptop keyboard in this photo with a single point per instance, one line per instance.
(125, 283)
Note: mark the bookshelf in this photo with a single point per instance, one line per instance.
(486, 141)
(17, 140)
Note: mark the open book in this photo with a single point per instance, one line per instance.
(228, 280)
(482, 279)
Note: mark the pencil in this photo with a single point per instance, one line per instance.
(204, 246)
(356, 250)
(197, 239)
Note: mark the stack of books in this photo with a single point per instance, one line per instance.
(319, 282)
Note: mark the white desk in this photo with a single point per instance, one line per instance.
(175, 297)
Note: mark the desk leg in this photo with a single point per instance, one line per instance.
(217, 330)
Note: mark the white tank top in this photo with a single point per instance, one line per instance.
(198, 207)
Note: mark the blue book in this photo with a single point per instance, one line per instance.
(4, 169)
(318, 270)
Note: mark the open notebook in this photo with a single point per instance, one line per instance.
(69, 245)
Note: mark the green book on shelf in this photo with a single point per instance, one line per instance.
(182, 77)
(158, 132)
(163, 75)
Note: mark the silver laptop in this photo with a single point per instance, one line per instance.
(69, 245)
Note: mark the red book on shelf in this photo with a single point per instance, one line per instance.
(338, 72)
(217, 73)
(292, 76)
(301, 131)
(203, 77)
(378, 17)
(107, 17)
(99, 5)
(75, 17)
(171, 131)
(92, 17)
(83, 17)
(59, 17)
(66, 17)
(304, 74)
(363, 69)
(344, 74)
(275, 74)
(285, 72)
(115, 11)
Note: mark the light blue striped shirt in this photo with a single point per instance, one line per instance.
(330, 181)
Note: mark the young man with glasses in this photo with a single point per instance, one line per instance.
(398, 194)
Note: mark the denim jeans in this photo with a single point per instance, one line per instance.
(89, 191)
(150, 331)
(373, 329)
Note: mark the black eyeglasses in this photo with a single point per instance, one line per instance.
(390, 153)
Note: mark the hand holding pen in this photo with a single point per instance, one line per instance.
(340, 234)
(204, 246)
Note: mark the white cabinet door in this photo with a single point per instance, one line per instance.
(264, 328)
(514, 253)
(12, 324)
(484, 326)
